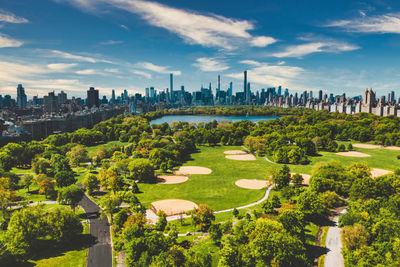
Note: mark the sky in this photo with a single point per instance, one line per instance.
(71, 45)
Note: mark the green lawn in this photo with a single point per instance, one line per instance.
(92, 149)
(380, 158)
(216, 189)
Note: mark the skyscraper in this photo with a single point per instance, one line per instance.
(171, 86)
(21, 96)
(245, 82)
(51, 103)
(62, 98)
(113, 97)
(92, 97)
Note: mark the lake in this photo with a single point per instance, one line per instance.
(210, 118)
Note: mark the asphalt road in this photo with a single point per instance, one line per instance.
(100, 251)
(334, 257)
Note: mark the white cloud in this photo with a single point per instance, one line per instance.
(262, 41)
(111, 42)
(315, 47)
(11, 18)
(124, 27)
(34, 77)
(60, 67)
(207, 30)
(210, 64)
(6, 41)
(156, 68)
(89, 72)
(250, 62)
(387, 23)
(111, 70)
(66, 55)
(269, 75)
(142, 73)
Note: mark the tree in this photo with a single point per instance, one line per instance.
(310, 204)
(114, 180)
(65, 178)
(6, 161)
(354, 237)
(202, 217)
(25, 227)
(162, 221)
(60, 163)
(293, 222)
(77, 155)
(215, 232)
(142, 170)
(7, 196)
(350, 147)
(91, 183)
(70, 195)
(40, 165)
(283, 178)
(63, 225)
(109, 203)
(46, 187)
(297, 179)
(27, 181)
(235, 212)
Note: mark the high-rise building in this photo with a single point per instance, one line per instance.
(245, 84)
(92, 99)
(21, 96)
(62, 98)
(171, 86)
(320, 95)
(51, 103)
(112, 101)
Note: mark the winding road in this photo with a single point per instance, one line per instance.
(100, 250)
(334, 257)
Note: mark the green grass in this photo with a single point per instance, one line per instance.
(75, 257)
(216, 189)
(22, 170)
(92, 149)
(321, 260)
(379, 158)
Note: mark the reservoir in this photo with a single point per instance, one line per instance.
(209, 118)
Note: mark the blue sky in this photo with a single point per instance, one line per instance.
(341, 46)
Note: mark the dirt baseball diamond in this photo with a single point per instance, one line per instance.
(241, 157)
(369, 146)
(188, 170)
(354, 154)
(379, 172)
(171, 179)
(173, 206)
(392, 147)
(306, 177)
(235, 152)
(252, 183)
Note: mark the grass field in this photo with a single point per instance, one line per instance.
(216, 189)
(92, 149)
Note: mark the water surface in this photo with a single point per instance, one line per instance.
(209, 118)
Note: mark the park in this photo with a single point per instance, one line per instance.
(194, 184)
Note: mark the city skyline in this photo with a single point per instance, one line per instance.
(71, 45)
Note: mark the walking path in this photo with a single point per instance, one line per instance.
(100, 251)
(334, 257)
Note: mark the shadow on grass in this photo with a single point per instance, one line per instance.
(314, 252)
(45, 249)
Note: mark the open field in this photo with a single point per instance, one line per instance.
(92, 149)
(216, 189)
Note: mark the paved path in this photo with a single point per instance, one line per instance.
(334, 257)
(265, 197)
(100, 251)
